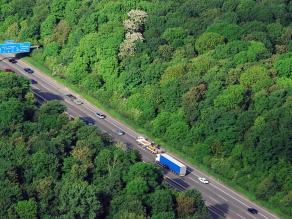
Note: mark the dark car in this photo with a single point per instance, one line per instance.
(88, 120)
(71, 97)
(8, 70)
(33, 81)
(12, 60)
(28, 70)
(252, 210)
(120, 132)
(100, 115)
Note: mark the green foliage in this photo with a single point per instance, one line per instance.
(210, 78)
(230, 49)
(283, 65)
(47, 27)
(255, 52)
(26, 209)
(208, 41)
(266, 188)
(78, 199)
(229, 31)
(12, 87)
(174, 36)
(256, 78)
(231, 97)
(161, 201)
(11, 111)
(137, 187)
(54, 167)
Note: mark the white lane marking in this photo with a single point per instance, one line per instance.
(263, 215)
(235, 193)
(239, 215)
(222, 191)
(191, 172)
(229, 195)
(33, 75)
(214, 212)
(209, 197)
(112, 123)
(222, 197)
(65, 88)
(39, 96)
(109, 119)
(210, 206)
(165, 176)
(216, 201)
(195, 181)
(207, 188)
(195, 175)
(175, 182)
(173, 186)
(38, 71)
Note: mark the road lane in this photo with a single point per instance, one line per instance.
(221, 200)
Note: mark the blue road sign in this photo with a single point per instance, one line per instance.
(14, 47)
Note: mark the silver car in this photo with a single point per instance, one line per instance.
(100, 115)
(120, 132)
(77, 101)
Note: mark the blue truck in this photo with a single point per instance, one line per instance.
(171, 163)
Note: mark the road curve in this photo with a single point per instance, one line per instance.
(222, 201)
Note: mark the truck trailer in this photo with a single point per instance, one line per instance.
(171, 163)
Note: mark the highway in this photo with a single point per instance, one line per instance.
(222, 202)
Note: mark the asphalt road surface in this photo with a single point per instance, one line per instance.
(222, 202)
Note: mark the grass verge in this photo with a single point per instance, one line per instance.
(173, 150)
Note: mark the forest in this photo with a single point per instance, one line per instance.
(53, 167)
(212, 79)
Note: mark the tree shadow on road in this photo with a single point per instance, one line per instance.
(217, 211)
(47, 95)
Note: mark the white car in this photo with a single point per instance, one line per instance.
(77, 101)
(203, 180)
(100, 115)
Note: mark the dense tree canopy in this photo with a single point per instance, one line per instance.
(211, 78)
(51, 167)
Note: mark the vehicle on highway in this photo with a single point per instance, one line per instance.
(100, 115)
(120, 132)
(78, 101)
(12, 60)
(203, 180)
(252, 210)
(28, 70)
(71, 97)
(151, 146)
(32, 81)
(142, 141)
(169, 162)
(8, 70)
(74, 99)
(88, 120)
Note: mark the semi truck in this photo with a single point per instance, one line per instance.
(169, 162)
(151, 146)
